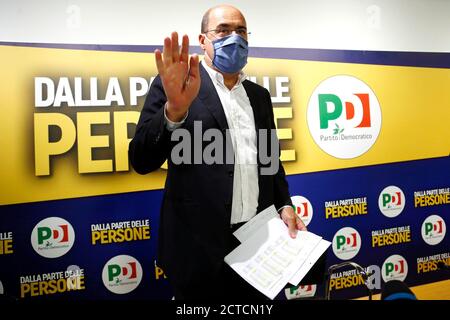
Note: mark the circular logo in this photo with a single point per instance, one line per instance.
(305, 291)
(433, 230)
(122, 274)
(303, 208)
(391, 201)
(344, 116)
(394, 268)
(52, 237)
(346, 243)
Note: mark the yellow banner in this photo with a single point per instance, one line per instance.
(67, 116)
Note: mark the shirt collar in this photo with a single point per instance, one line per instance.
(218, 77)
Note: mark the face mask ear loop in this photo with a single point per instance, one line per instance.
(206, 52)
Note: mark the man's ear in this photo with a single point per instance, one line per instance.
(201, 40)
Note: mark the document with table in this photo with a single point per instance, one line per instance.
(268, 258)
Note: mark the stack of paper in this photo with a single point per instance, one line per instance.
(268, 258)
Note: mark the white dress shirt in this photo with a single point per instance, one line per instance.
(239, 115)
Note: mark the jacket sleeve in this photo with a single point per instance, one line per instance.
(151, 143)
(281, 187)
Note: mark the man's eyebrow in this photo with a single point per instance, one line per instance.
(227, 25)
(222, 25)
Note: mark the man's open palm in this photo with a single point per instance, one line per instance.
(180, 75)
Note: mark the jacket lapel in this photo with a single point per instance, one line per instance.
(208, 95)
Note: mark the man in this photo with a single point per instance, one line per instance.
(204, 203)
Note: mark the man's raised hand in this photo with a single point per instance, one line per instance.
(180, 76)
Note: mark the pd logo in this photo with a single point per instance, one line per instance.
(305, 291)
(122, 274)
(52, 237)
(391, 201)
(303, 208)
(394, 268)
(344, 116)
(433, 230)
(346, 243)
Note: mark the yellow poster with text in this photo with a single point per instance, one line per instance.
(67, 117)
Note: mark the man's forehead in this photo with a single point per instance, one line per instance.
(227, 16)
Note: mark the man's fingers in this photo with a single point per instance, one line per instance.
(185, 49)
(300, 225)
(167, 52)
(292, 226)
(175, 48)
(194, 70)
(159, 61)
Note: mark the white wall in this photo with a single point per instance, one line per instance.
(394, 25)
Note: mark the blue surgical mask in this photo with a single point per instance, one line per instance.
(230, 53)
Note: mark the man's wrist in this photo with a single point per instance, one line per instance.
(172, 125)
(172, 116)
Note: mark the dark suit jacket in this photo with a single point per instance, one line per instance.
(194, 233)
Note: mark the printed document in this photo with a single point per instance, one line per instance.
(268, 258)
